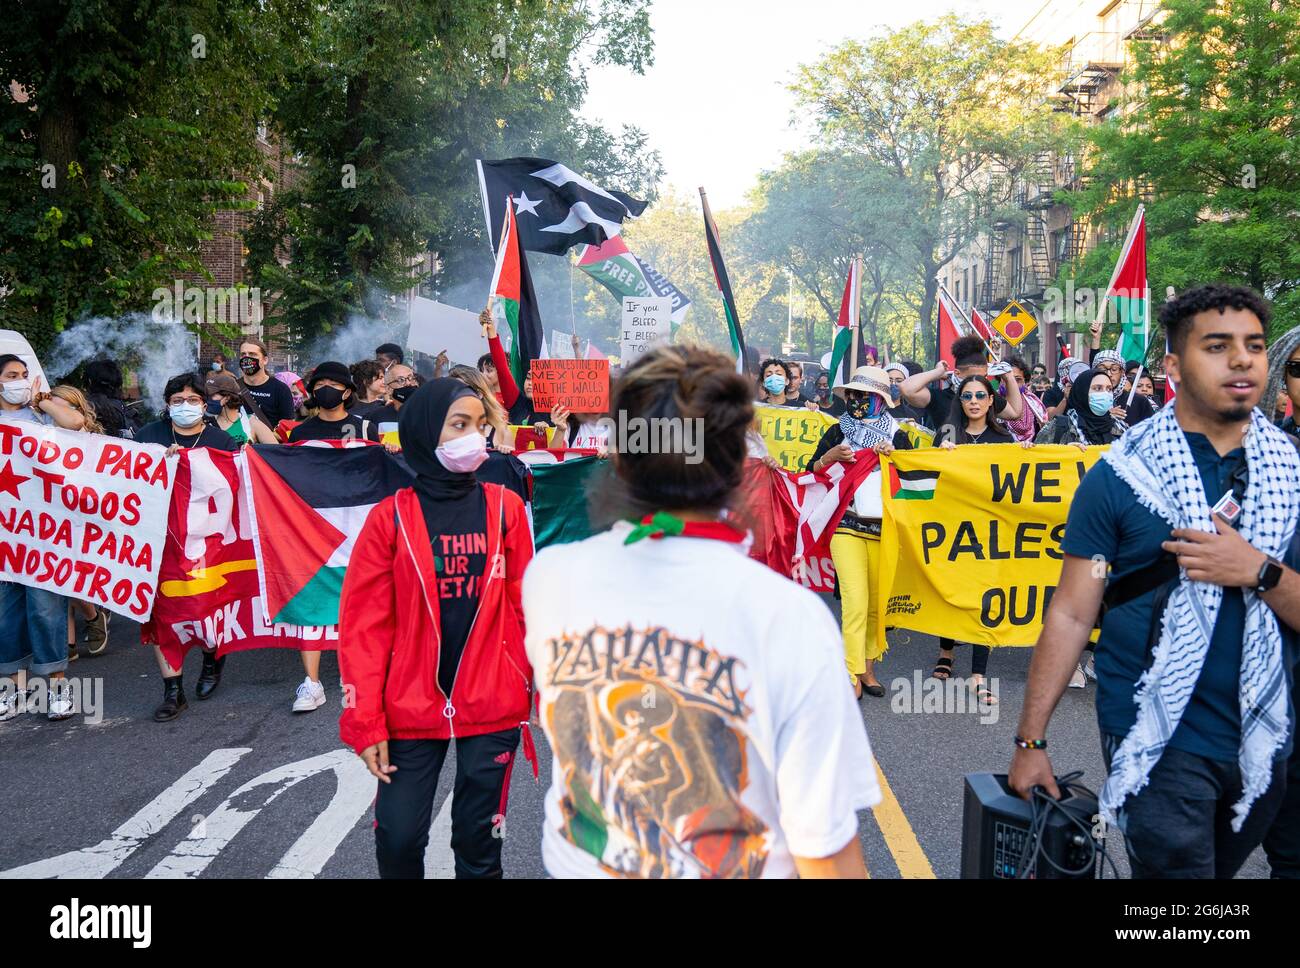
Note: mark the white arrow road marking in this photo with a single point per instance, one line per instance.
(104, 857)
(317, 844)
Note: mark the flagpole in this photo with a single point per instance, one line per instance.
(966, 320)
(1146, 346)
(1123, 253)
(853, 318)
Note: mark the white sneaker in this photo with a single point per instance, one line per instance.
(13, 702)
(311, 695)
(1077, 680)
(1089, 668)
(61, 704)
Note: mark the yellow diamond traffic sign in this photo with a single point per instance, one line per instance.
(1015, 323)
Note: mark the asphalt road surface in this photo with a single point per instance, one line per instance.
(240, 786)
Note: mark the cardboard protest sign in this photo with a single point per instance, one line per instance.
(792, 434)
(978, 533)
(580, 385)
(645, 322)
(208, 589)
(83, 515)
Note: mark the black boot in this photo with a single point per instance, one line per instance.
(209, 675)
(173, 703)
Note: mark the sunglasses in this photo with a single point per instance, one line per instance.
(1293, 369)
(967, 397)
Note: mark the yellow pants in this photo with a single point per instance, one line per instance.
(857, 563)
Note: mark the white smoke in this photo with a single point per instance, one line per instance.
(156, 350)
(350, 343)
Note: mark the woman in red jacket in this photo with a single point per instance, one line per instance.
(432, 639)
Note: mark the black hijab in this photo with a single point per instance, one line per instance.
(1097, 429)
(419, 425)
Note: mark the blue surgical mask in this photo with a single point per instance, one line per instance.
(185, 414)
(1100, 402)
(774, 384)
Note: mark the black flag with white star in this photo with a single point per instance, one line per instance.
(555, 207)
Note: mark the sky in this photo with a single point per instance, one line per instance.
(715, 103)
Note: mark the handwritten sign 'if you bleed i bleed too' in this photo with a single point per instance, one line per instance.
(83, 515)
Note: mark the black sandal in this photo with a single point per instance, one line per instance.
(942, 665)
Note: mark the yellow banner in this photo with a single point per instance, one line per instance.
(977, 532)
(792, 434)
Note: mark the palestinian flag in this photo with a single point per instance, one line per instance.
(1128, 297)
(308, 502)
(949, 327)
(512, 290)
(912, 485)
(845, 327)
(724, 285)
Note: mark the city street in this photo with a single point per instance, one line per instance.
(239, 786)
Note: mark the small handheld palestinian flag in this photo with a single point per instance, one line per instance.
(846, 326)
(1128, 292)
(724, 285)
(912, 485)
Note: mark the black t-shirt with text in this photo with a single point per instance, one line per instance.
(350, 427)
(458, 536)
(274, 399)
(162, 432)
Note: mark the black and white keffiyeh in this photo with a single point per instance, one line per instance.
(1155, 461)
(868, 433)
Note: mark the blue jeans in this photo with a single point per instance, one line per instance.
(1178, 825)
(33, 630)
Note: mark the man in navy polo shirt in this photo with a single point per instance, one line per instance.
(1197, 751)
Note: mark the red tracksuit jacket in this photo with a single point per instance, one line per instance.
(389, 630)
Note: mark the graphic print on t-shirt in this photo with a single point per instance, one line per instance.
(648, 735)
(459, 560)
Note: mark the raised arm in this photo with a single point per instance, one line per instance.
(916, 389)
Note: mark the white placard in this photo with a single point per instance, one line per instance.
(436, 327)
(645, 322)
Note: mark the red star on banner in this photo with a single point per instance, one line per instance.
(9, 481)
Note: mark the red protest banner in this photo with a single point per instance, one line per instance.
(83, 515)
(580, 385)
(208, 590)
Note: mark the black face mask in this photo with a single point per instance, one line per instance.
(858, 409)
(327, 398)
(249, 364)
(214, 407)
(402, 394)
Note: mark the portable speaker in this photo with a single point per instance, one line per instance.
(995, 829)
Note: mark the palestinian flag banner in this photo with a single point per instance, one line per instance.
(625, 274)
(912, 485)
(1128, 297)
(845, 327)
(724, 285)
(981, 325)
(208, 592)
(308, 503)
(512, 290)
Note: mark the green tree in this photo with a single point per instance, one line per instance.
(1206, 135)
(390, 108)
(125, 127)
(949, 113)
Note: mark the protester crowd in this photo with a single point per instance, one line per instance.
(1194, 661)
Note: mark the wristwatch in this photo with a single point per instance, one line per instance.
(1270, 573)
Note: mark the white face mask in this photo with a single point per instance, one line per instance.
(464, 455)
(185, 414)
(17, 392)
